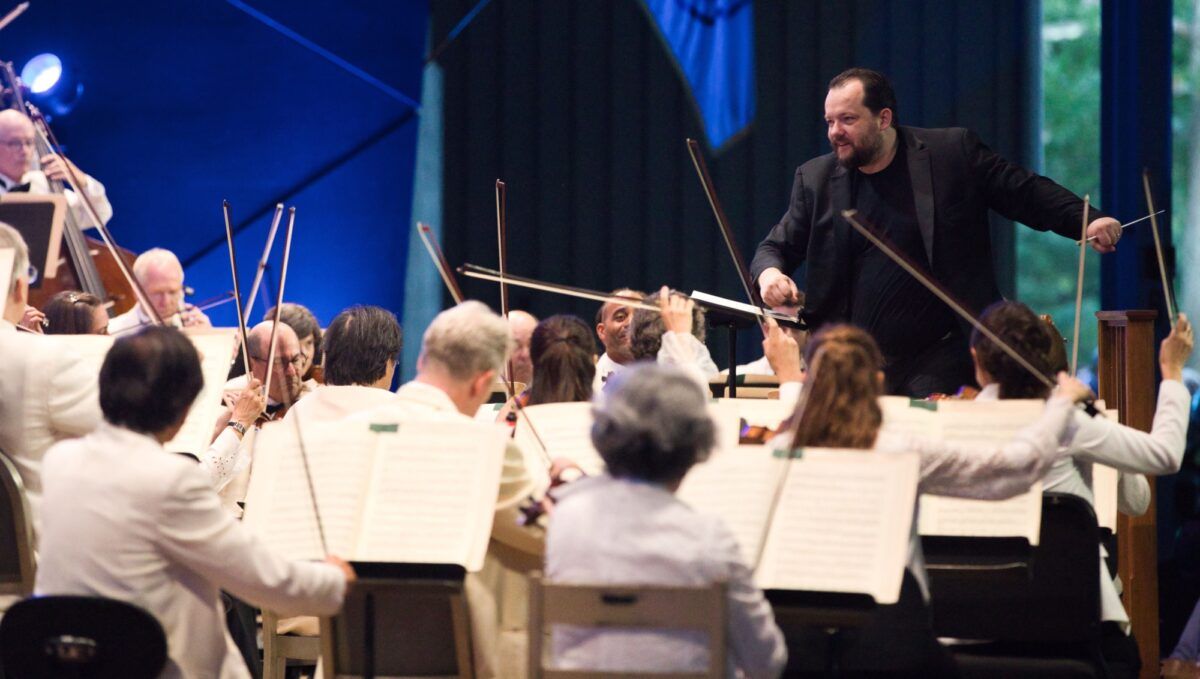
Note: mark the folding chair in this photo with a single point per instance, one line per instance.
(84, 637)
(17, 566)
(278, 648)
(1043, 620)
(701, 609)
(400, 620)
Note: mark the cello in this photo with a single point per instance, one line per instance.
(90, 265)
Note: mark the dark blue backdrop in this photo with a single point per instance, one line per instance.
(190, 101)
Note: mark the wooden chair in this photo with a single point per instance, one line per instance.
(642, 606)
(278, 648)
(17, 565)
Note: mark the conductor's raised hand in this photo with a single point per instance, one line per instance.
(1176, 349)
(676, 311)
(777, 288)
(1104, 232)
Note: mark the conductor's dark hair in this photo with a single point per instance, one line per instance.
(358, 345)
(563, 354)
(1029, 335)
(652, 424)
(149, 380)
(877, 89)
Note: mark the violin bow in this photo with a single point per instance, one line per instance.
(203, 305)
(483, 273)
(262, 261)
(227, 211)
(42, 129)
(287, 397)
(735, 253)
(502, 252)
(926, 280)
(1168, 299)
(439, 262)
(1079, 289)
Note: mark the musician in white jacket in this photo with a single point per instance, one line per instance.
(124, 519)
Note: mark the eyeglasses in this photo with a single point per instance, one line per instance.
(16, 144)
(296, 361)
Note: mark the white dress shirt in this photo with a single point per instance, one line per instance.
(1129, 451)
(605, 368)
(48, 393)
(40, 185)
(126, 520)
(335, 402)
(607, 530)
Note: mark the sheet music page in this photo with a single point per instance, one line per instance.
(7, 255)
(727, 420)
(433, 494)
(903, 415)
(842, 524)
(488, 412)
(976, 423)
(216, 348)
(566, 429)
(279, 507)
(1105, 483)
(737, 484)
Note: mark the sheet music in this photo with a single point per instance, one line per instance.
(488, 412)
(727, 420)
(216, 348)
(902, 415)
(705, 299)
(433, 494)
(737, 484)
(7, 255)
(978, 423)
(279, 506)
(759, 411)
(566, 429)
(842, 524)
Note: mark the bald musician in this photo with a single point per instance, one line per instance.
(161, 276)
(612, 327)
(17, 154)
(521, 323)
(47, 389)
(929, 191)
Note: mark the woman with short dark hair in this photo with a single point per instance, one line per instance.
(627, 527)
(75, 313)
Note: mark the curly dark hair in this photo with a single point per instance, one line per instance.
(646, 328)
(1029, 335)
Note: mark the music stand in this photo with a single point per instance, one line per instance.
(39, 219)
(400, 620)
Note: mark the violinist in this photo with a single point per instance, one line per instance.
(17, 139)
(612, 327)
(161, 276)
(522, 324)
(672, 336)
(75, 313)
(47, 389)
(929, 191)
(308, 329)
(1094, 439)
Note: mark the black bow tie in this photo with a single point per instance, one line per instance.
(272, 409)
(18, 188)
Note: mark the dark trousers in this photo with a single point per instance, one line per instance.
(942, 368)
(240, 620)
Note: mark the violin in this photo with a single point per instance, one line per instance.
(91, 266)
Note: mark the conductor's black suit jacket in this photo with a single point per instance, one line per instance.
(956, 179)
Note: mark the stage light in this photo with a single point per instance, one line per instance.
(42, 73)
(52, 86)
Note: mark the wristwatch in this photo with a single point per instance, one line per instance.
(237, 426)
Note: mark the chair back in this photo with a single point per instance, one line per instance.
(701, 609)
(79, 636)
(16, 533)
(1053, 599)
(400, 620)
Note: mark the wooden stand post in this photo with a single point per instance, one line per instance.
(1127, 375)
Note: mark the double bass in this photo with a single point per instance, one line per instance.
(90, 265)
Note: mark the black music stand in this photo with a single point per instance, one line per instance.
(39, 219)
(732, 322)
(400, 619)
